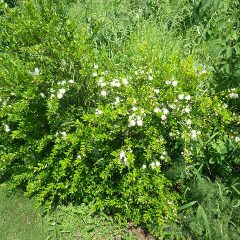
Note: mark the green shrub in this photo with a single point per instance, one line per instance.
(75, 130)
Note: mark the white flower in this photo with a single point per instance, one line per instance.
(157, 164)
(203, 71)
(188, 97)
(62, 90)
(150, 78)
(194, 134)
(156, 91)
(36, 72)
(144, 166)
(63, 82)
(237, 139)
(163, 117)
(168, 82)
(52, 95)
(71, 81)
(94, 74)
(188, 122)
(165, 111)
(122, 156)
(187, 109)
(95, 66)
(115, 83)
(98, 112)
(7, 128)
(132, 123)
(59, 95)
(180, 96)
(162, 157)
(156, 110)
(134, 109)
(104, 93)
(175, 83)
(152, 165)
(140, 122)
(78, 156)
(233, 95)
(125, 81)
(117, 100)
(64, 134)
(172, 106)
(42, 95)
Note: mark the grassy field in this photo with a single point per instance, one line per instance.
(18, 218)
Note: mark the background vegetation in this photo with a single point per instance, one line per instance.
(125, 108)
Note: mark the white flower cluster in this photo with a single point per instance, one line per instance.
(98, 112)
(61, 93)
(115, 83)
(122, 156)
(182, 97)
(233, 95)
(194, 133)
(164, 111)
(174, 83)
(6, 128)
(36, 72)
(135, 121)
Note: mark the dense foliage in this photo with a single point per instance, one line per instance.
(128, 136)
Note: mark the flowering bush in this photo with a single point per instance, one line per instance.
(80, 131)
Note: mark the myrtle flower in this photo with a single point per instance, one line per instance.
(134, 108)
(168, 82)
(95, 66)
(140, 122)
(62, 90)
(7, 128)
(122, 156)
(144, 166)
(125, 81)
(181, 96)
(132, 123)
(157, 164)
(156, 91)
(237, 139)
(63, 82)
(233, 95)
(152, 165)
(59, 95)
(162, 157)
(150, 77)
(188, 97)
(42, 95)
(165, 111)
(188, 122)
(104, 93)
(36, 72)
(115, 83)
(64, 134)
(175, 83)
(117, 100)
(194, 134)
(71, 81)
(156, 110)
(94, 74)
(98, 112)
(172, 106)
(187, 109)
(163, 117)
